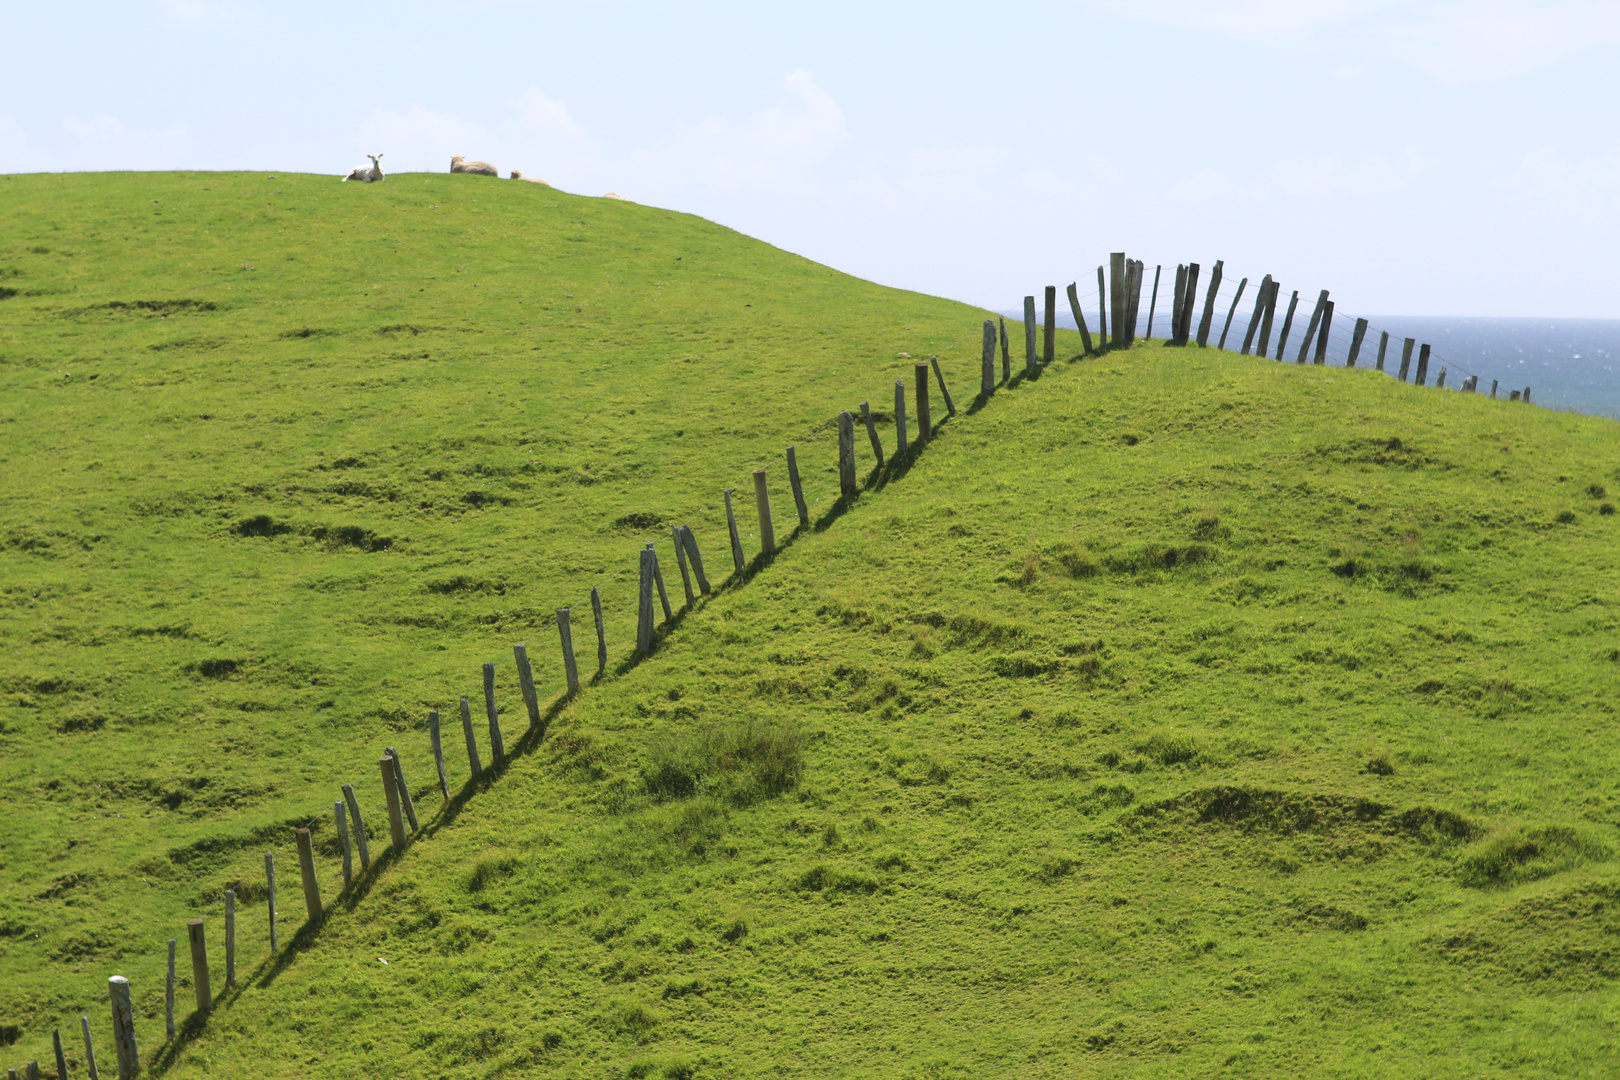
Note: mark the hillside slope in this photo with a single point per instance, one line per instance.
(1173, 714)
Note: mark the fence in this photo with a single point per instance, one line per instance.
(1116, 303)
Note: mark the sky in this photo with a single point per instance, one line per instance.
(1416, 157)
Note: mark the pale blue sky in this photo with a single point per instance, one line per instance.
(1415, 157)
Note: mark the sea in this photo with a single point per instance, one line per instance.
(1568, 364)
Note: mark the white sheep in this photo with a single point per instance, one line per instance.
(516, 175)
(368, 173)
(481, 168)
(615, 195)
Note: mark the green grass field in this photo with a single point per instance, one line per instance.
(1170, 714)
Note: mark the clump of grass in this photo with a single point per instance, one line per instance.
(1527, 855)
(1381, 765)
(1169, 748)
(740, 763)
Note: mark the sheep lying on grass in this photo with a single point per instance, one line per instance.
(481, 168)
(615, 195)
(516, 175)
(368, 173)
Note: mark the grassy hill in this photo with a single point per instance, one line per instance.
(1171, 714)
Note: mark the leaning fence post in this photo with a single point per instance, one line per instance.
(925, 427)
(601, 629)
(353, 804)
(123, 1024)
(762, 499)
(689, 543)
(1204, 324)
(340, 816)
(306, 863)
(1310, 331)
(405, 799)
(497, 745)
(847, 485)
(1383, 347)
(1355, 342)
(168, 994)
(798, 486)
(1189, 302)
(89, 1049)
(270, 891)
(199, 965)
(525, 672)
(1138, 272)
(396, 823)
(1102, 310)
(566, 633)
(1080, 317)
(1154, 302)
(871, 432)
(1423, 365)
(1029, 336)
(1254, 320)
(1406, 356)
(900, 443)
(1288, 324)
(1006, 354)
(680, 562)
(474, 766)
(987, 364)
(230, 937)
(1263, 346)
(1322, 335)
(1049, 339)
(658, 580)
(1231, 311)
(944, 391)
(738, 560)
(437, 738)
(644, 603)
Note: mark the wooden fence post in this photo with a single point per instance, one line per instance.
(1406, 356)
(900, 445)
(1322, 335)
(1526, 398)
(658, 580)
(169, 986)
(565, 634)
(123, 1024)
(437, 738)
(270, 891)
(1208, 319)
(306, 862)
(1029, 340)
(987, 364)
(644, 604)
(871, 432)
(1310, 331)
(1231, 311)
(199, 964)
(1288, 323)
(1189, 302)
(798, 485)
(396, 818)
(497, 745)
(1079, 317)
(1383, 347)
(525, 673)
(1006, 354)
(1176, 303)
(61, 1058)
(340, 816)
(474, 766)
(1267, 317)
(601, 627)
(1136, 295)
(1355, 342)
(89, 1049)
(230, 938)
(762, 500)
(1049, 338)
(680, 562)
(925, 427)
(1493, 389)
(847, 484)
(1440, 381)
(1254, 320)
(1118, 269)
(1153, 303)
(1102, 311)
(738, 560)
(359, 831)
(944, 391)
(1423, 365)
(403, 788)
(1513, 395)
(689, 542)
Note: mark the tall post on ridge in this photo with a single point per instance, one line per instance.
(1322, 335)
(1153, 303)
(1208, 319)
(1356, 337)
(1117, 293)
(1049, 338)
(1006, 356)
(1310, 331)
(1266, 319)
(1029, 337)
(1176, 304)
(1288, 324)
(1423, 365)
(1189, 302)
(1231, 311)
(1079, 317)
(1102, 311)
(1383, 347)
(987, 366)
(1406, 356)
(1254, 320)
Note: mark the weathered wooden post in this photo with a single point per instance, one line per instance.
(689, 542)
(658, 580)
(230, 938)
(798, 485)
(1029, 338)
(1254, 320)
(1355, 342)
(474, 766)
(1526, 398)
(847, 484)
(1079, 317)
(1406, 356)
(497, 745)
(1493, 389)
(680, 562)
(762, 501)
(1188, 302)
(353, 803)
(601, 627)
(644, 605)
(1006, 354)
(925, 428)
(1154, 302)
(871, 432)
(1263, 346)
(565, 635)
(270, 891)
(944, 391)
(987, 365)
(1322, 335)
(1288, 323)
(1513, 395)
(900, 444)
(1440, 380)
(123, 1024)
(525, 673)
(1423, 365)
(396, 817)
(89, 1049)
(1138, 272)
(404, 789)
(1310, 331)
(61, 1058)
(168, 994)
(1049, 339)
(738, 559)
(1102, 311)
(306, 861)
(436, 736)
(1209, 305)
(1383, 347)
(340, 816)
(1231, 311)
(199, 963)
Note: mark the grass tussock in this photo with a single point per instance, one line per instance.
(735, 763)
(1527, 854)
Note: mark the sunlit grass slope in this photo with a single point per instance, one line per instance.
(1173, 715)
(283, 461)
